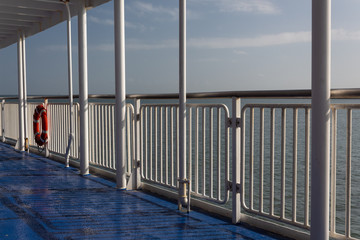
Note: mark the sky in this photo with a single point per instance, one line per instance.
(233, 45)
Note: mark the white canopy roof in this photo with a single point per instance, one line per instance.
(33, 16)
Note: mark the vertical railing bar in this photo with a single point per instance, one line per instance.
(53, 124)
(90, 135)
(98, 155)
(66, 126)
(172, 144)
(96, 129)
(333, 171)
(110, 133)
(166, 145)
(142, 155)
(190, 145)
(204, 151)
(103, 126)
(272, 158)
(348, 173)
(94, 133)
(57, 129)
(112, 136)
(135, 135)
(161, 146)
(197, 150)
(307, 167)
(251, 164)
(156, 143)
(261, 166)
(151, 142)
(146, 159)
(211, 138)
(283, 161)
(106, 130)
(62, 124)
(129, 133)
(133, 144)
(177, 146)
(294, 187)
(104, 143)
(219, 153)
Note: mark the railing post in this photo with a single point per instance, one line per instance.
(83, 90)
(3, 120)
(320, 134)
(120, 107)
(236, 145)
(137, 105)
(47, 153)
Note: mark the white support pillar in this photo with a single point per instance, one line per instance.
(120, 107)
(26, 139)
(70, 83)
(320, 159)
(21, 142)
(83, 91)
(182, 103)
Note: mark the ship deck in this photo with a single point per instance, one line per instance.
(41, 199)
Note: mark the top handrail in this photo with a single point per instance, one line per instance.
(352, 93)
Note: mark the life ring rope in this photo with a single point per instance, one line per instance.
(40, 112)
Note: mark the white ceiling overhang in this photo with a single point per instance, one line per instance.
(33, 16)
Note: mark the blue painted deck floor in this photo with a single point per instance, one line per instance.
(40, 199)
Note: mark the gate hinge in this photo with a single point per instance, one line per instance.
(229, 122)
(137, 117)
(138, 163)
(229, 186)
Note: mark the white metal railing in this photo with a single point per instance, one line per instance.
(276, 171)
(58, 119)
(11, 121)
(271, 174)
(345, 192)
(102, 135)
(274, 144)
(207, 147)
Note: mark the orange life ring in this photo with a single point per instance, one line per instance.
(40, 112)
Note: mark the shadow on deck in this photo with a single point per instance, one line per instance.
(41, 199)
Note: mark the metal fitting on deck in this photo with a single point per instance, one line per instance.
(184, 194)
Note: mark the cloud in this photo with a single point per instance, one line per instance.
(110, 22)
(105, 47)
(220, 43)
(54, 48)
(254, 6)
(238, 43)
(102, 21)
(259, 41)
(250, 6)
(136, 26)
(144, 7)
(344, 35)
(135, 44)
(240, 52)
